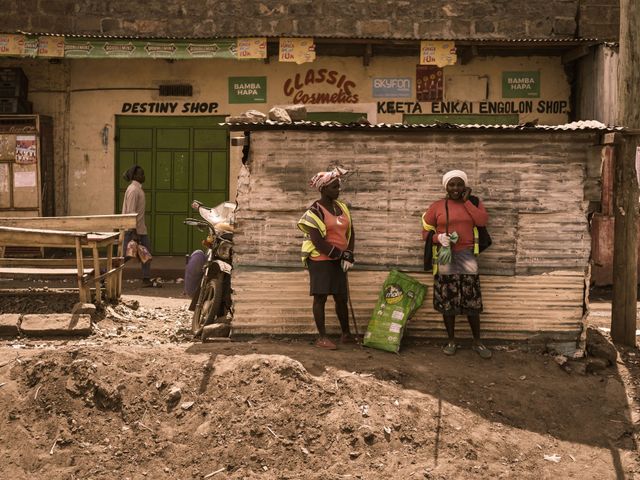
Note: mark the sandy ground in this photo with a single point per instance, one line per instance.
(139, 399)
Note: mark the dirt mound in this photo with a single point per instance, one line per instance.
(146, 412)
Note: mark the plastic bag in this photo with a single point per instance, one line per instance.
(400, 298)
(132, 249)
(144, 254)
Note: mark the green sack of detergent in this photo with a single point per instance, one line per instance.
(400, 298)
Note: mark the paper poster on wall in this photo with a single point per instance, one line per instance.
(429, 83)
(247, 89)
(26, 149)
(298, 50)
(438, 53)
(24, 179)
(12, 44)
(249, 48)
(5, 197)
(520, 84)
(50, 47)
(7, 147)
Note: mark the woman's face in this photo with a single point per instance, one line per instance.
(455, 188)
(332, 190)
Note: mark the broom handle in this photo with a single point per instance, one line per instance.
(353, 315)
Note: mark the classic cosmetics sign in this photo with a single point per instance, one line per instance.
(320, 86)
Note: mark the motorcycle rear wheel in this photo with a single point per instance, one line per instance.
(208, 304)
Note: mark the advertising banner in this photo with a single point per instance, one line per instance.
(250, 48)
(437, 53)
(298, 50)
(429, 83)
(180, 49)
(247, 89)
(391, 87)
(520, 84)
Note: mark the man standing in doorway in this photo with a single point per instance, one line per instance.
(134, 202)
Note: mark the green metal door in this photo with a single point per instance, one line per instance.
(184, 158)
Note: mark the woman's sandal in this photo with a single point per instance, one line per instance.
(483, 351)
(450, 348)
(325, 343)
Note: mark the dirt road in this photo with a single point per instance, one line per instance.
(139, 399)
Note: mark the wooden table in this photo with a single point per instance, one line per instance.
(14, 236)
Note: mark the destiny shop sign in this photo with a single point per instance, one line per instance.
(169, 107)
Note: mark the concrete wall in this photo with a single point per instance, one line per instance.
(336, 18)
(84, 96)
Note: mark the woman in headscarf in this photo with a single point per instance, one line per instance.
(327, 251)
(450, 224)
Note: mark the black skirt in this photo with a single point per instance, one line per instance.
(327, 277)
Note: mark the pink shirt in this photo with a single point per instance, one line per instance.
(337, 228)
(462, 218)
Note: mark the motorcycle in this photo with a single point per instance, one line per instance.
(208, 273)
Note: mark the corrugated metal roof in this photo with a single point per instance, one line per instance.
(515, 41)
(587, 125)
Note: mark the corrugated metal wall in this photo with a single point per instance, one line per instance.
(532, 184)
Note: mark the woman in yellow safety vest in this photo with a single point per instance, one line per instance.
(327, 251)
(451, 225)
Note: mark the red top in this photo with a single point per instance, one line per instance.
(462, 218)
(337, 229)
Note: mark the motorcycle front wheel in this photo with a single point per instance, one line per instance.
(208, 303)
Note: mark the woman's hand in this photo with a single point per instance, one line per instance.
(466, 194)
(444, 240)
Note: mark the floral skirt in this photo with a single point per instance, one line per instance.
(457, 294)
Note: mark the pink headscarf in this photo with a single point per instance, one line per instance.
(322, 179)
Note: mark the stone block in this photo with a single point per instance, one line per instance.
(110, 25)
(485, 26)
(600, 346)
(375, 27)
(9, 324)
(565, 26)
(56, 324)
(87, 25)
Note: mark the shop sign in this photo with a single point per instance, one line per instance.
(437, 53)
(392, 87)
(429, 83)
(520, 84)
(169, 107)
(247, 89)
(250, 48)
(298, 50)
(508, 107)
(342, 88)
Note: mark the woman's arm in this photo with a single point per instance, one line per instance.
(478, 214)
(323, 246)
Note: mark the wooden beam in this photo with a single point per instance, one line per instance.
(575, 54)
(625, 243)
(368, 53)
(467, 54)
(625, 186)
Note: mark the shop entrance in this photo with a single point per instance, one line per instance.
(184, 158)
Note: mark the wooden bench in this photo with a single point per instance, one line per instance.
(90, 232)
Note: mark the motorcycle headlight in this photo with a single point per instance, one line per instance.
(224, 250)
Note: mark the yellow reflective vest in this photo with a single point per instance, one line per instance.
(311, 220)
